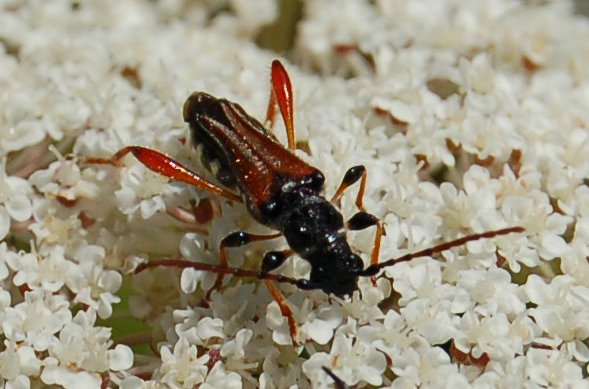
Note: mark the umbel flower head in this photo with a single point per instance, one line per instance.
(468, 116)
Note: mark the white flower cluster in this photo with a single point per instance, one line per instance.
(469, 117)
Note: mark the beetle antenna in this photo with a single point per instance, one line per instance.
(374, 269)
(180, 263)
(370, 271)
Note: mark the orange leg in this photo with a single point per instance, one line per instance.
(222, 270)
(271, 110)
(363, 220)
(166, 166)
(281, 94)
(353, 174)
(285, 310)
(380, 231)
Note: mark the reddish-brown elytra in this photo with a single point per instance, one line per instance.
(281, 191)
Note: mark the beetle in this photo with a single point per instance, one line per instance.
(281, 191)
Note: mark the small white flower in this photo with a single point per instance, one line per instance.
(223, 320)
(194, 246)
(132, 382)
(276, 371)
(9, 363)
(479, 75)
(219, 378)
(203, 330)
(365, 308)
(156, 291)
(53, 230)
(22, 130)
(492, 291)
(427, 302)
(489, 335)
(37, 319)
(320, 322)
(254, 14)
(235, 348)
(15, 202)
(140, 191)
(389, 336)
(6, 256)
(93, 285)
(503, 374)
(20, 382)
(68, 378)
(120, 358)
(182, 368)
(550, 367)
(561, 307)
(424, 365)
(49, 272)
(364, 362)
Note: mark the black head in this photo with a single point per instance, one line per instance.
(314, 228)
(338, 276)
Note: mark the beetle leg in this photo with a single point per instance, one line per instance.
(353, 174)
(362, 220)
(222, 270)
(236, 239)
(380, 231)
(205, 210)
(273, 259)
(271, 110)
(166, 166)
(281, 94)
(285, 310)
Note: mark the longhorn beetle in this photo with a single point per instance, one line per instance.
(281, 191)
